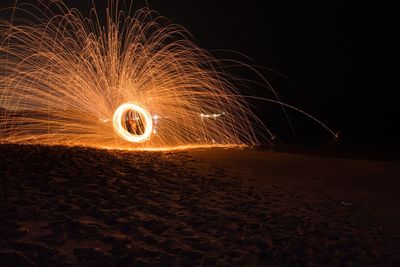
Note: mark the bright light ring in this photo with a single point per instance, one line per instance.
(123, 133)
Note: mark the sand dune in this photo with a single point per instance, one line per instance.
(76, 206)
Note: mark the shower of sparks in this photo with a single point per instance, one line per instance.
(64, 77)
(134, 81)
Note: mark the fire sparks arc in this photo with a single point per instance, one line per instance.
(120, 129)
(70, 79)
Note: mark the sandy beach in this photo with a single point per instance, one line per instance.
(71, 206)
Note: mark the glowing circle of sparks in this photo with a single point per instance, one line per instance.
(120, 129)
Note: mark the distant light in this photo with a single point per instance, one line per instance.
(104, 120)
(215, 115)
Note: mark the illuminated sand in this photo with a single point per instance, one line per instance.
(63, 206)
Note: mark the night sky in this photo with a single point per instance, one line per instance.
(332, 51)
(332, 54)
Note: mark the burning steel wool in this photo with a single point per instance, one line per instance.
(136, 81)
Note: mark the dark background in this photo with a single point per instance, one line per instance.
(335, 56)
(334, 52)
